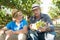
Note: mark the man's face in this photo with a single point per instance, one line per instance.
(36, 11)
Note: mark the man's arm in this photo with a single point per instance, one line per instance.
(50, 24)
(4, 28)
(2, 31)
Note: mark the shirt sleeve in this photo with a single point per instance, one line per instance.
(32, 20)
(8, 26)
(48, 20)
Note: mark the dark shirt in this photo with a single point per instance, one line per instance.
(45, 18)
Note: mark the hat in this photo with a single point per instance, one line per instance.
(34, 6)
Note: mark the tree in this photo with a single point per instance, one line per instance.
(57, 3)
(24, 5)
(55, 10)
(4, 19)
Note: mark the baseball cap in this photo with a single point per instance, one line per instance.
(35, 6)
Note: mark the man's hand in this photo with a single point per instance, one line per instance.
(42, 29)
(9, 32)
(17, 32)
(1, 32)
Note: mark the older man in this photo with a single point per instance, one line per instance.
(45, 33)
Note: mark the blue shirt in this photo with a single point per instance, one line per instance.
(12, 25)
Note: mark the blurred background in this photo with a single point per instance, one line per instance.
(50, 7)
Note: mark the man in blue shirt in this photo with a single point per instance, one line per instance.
(17, 26)
(43, 33)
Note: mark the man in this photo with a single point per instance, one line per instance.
(42, 33)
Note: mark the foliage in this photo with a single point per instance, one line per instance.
(24, 5)
(57, 3)
(55, 10)
(4, 18)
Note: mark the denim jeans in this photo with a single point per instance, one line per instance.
(50, 36)
(32, 35)
(35, 35)
(41, 36)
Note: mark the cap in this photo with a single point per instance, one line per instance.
(34, 6)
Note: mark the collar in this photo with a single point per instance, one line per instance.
(41, 16)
